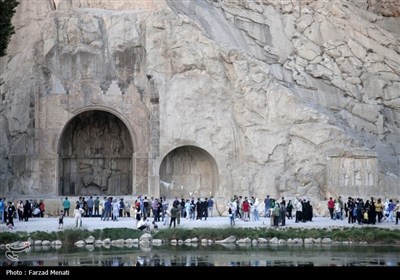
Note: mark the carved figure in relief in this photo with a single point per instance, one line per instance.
(96, 134)
(96, 176)
(357, 173)
(370, 174)
(115, 139)
(187, 163)
(344, 171)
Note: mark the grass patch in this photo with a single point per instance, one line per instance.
(70, 236)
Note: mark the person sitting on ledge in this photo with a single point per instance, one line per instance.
(143, 224)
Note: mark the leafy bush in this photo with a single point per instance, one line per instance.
(70, 236)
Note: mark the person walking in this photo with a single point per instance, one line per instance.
(10, 215)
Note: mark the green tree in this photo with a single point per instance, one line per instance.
(7, 11)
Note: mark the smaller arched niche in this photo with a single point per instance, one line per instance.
(188, 171)
(96, 156)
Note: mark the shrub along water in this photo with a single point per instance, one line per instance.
(70, 236)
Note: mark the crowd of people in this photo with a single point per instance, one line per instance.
(369, 212)
(246, 209)
(9, 210)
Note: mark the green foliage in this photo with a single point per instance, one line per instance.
(42, 235)
(119, 233)
(9, 237)
(70, 236)
(7, 11)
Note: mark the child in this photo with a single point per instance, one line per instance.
(166, 218)
(365, 217)
(61, 220)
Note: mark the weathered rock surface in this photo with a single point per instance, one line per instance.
(286, 98)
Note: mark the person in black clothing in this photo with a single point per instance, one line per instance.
(27, 210)
(199, 209)
(204, 208)
(61, 220)
(10, 215)
(289, 209)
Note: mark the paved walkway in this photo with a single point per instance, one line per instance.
(51, 224)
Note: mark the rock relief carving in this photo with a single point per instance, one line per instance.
(96, 152)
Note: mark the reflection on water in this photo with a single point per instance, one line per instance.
(214, 255)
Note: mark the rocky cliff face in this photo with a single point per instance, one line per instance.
(289, 98)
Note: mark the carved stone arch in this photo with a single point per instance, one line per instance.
(95, 153)
(188, 171)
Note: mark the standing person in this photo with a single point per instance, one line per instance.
(108, 209)
(137, 210)
(96, 206)
(103, 210)
(246, 209)
(255, 210)
(10, 215)
(267, 204)
(178, 214)
(231, 214)
(67, 205)
(331, 207)
(89, 205)
(379, 209)
(276, 214)
(198, 209)
(154, 208)
(61, 220)
(210, 206)
(337, 210)
(397, 211)
(163, 208)
(2, 208)
(27, 210)
(350, 206)
(341, 206)
(359, 208)
(127, 209)
(289, 209)
(204, 206)
(41, 208)
(166, 219)
(20, 210)
(84, 207)
(391, 207)
(78, 215)
(174, 213)
(115, 210)
(187, 209)
(121, 207)
(299, 210)
(282, 214)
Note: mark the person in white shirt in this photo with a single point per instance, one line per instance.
(143, 224)
(78, 211)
